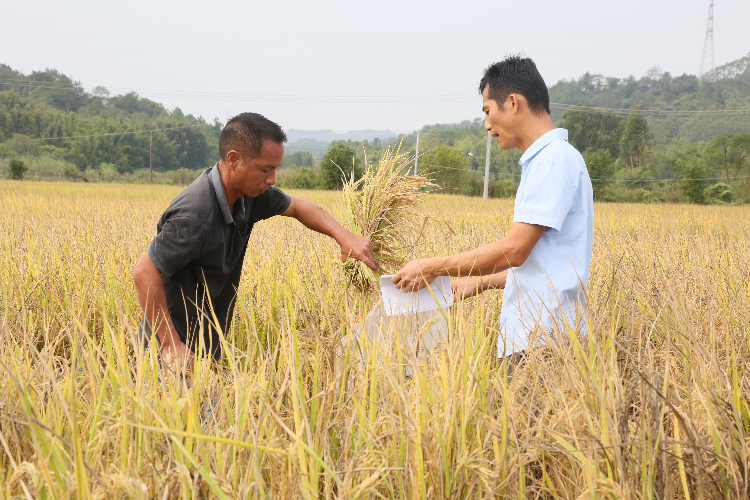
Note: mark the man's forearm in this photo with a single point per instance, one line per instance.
(488, 259)
(468, 287)
(511, 251)
(317, 219)
(492, 258)
(153, 300)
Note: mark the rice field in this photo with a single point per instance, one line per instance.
(651, 403)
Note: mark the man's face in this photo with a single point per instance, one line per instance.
(255, 176)
(499, 120)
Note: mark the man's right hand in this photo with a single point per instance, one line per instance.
(177, 356)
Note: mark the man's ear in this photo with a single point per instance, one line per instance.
(233, 159)
(513, 103)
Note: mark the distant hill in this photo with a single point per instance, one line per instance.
(329, 135)
(660, 91)
(317, 148)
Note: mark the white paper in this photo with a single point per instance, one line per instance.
(398, 302)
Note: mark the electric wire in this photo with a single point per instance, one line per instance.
(22, 83)
(114, 133)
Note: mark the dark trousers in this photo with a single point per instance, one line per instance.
(517, 359)
(144, 336)
(514, 361)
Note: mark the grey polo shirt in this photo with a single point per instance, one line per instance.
(200, 248)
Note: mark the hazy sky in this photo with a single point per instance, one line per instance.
(327, 59)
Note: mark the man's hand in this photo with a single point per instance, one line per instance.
(465, 288)
(358, 247)
(415, 275)
(177, 356)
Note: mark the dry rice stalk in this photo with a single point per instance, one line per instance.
(382, 206)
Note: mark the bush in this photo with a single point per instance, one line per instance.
(502, 189)
(695, 183)
(106, 172)
(646, 196)
(635, 178)
(73, 173)
(183, 176)
(601, 169)
(303, 178)
(474, 186)
(17, 168)
(719, 192)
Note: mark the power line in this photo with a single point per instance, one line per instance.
(674, 180)
(112, 133)
(592, 109)
(355, 99)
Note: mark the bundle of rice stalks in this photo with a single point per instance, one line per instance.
(382, 206)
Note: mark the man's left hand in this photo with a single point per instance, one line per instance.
(360, 248)
(415, 275)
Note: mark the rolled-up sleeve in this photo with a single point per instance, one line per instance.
(180, 241)
(547, 197)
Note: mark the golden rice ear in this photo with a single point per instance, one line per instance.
(383, 206)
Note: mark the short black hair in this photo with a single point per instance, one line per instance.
(246, 132)
(516, 75)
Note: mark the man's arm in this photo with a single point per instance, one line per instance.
(317, 219)
(469, 287)
(150, 287)
(511, 251)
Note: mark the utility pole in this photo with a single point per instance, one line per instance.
(416, 157)
(708, 49)
(487, 166)
(150, 148)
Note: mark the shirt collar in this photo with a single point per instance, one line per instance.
(221, 195)
(539, 144)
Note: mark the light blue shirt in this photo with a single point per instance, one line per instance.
(555, 191)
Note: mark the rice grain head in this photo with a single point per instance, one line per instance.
(383, 206)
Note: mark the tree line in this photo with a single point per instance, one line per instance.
(49, 105)
(638, 150)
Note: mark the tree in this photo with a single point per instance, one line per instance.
(446, 166)
(728, 153)
(101, 93)
(588, 129)
(17, 169)
(717, 154)
(694, 181)
(739, 148)
(59, 90)
(298, 159)
(601, 169)
(338, 165)
(636, 138)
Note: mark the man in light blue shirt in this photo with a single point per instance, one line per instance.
(544, 261)
(555, 192)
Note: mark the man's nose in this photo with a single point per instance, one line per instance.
(271, 179)
(487, 124)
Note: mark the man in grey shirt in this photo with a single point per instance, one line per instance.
(192, 267)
